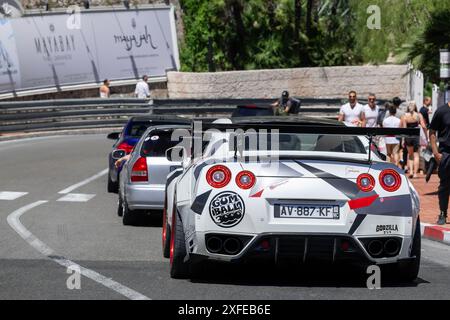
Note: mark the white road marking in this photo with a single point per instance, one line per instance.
(82, 183)
(11, 195)
(76, 197)
(14, 221)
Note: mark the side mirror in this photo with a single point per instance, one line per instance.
(113, 135)
(117, 154)
(175, 154)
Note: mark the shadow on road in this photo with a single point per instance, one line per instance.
(294, 276)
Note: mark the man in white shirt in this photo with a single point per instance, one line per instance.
(142, 90)
(370, 111)
(352, 113)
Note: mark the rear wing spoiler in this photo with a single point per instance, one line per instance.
(307, 128)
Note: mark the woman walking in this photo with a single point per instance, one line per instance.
(413, 119)
(392, 143)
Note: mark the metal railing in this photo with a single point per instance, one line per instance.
(47, 115)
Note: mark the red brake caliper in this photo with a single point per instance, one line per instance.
(172, 237)
(164, 228)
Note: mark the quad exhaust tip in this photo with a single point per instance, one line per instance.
(391, 247)
(375, 248)
(214, 244)
(232, 246)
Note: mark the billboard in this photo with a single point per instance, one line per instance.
(52, 51)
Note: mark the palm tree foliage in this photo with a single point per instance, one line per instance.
(256, 34)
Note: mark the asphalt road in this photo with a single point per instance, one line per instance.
(41, 234)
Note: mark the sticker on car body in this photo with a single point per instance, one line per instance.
(227, 209)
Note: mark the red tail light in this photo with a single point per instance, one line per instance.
(245, 179)
(218, 176)
(139, 172)
(126, 147)
(390, 180)
(365, 182)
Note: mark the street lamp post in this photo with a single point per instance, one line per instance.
(445, 71)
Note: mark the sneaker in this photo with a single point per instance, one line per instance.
(442, 219)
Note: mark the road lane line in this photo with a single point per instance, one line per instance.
(76, 197)
(14, 221)
(82, 183)
(11, 195)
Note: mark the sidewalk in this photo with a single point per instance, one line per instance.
(429, 209)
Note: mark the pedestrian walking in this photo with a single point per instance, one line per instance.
(104, 89)
(413, 119)
(142, 90)
(371, 111)
(440, 125)
(425, 111)
(392, 142)
(351, 113)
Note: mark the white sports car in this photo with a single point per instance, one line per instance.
(310, 191)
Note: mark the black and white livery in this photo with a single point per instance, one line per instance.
(313, 190)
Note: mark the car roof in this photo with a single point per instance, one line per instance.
(150, 118)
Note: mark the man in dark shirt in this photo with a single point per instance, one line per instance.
(441, 125)
(425, 110)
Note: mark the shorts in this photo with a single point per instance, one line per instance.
(395, 146)
(413, 142)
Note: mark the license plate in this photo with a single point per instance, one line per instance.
(307, 211)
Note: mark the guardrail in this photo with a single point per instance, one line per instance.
(46, 115)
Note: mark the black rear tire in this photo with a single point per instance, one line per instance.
(178, 268)
(128, 216)
(166, 228)
(120, 207)
(409, 271)
(113, 187)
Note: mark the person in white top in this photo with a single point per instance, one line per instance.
(142, 90)
(104, 89)
(392, 143)
(370, 111)
(351, 113)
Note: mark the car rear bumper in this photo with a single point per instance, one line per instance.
(144, 196)
(299, 248)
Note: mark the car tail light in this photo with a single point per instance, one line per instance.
(365, 182)
(218, 176)
(125, 146)
(390, 180)
(245, 179)
(139, 172)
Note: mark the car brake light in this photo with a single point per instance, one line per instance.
(218, 176)
(139, 172)
(245, 179)
(390, 180)
(125, 147)
(365, 182)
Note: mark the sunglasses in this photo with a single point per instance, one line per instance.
(352, 97)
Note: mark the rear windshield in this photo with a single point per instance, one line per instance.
(137, 128)
(304, 142)
(242, 111)
(156, 144)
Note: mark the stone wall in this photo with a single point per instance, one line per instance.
(386, 81)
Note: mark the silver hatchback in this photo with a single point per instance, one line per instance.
(143, 176)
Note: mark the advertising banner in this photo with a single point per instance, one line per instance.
(61, 49)
(9, 63)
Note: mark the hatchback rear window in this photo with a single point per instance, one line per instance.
(156, 144)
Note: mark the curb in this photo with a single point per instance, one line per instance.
(435, 233)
